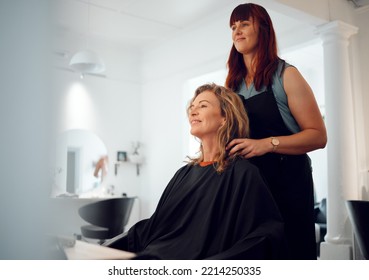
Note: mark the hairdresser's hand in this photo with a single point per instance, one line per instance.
(249, 148)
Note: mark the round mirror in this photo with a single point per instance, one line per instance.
(81, 163)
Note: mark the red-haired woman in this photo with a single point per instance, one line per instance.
(285, 122)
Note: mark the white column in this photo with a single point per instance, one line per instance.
(341, 147)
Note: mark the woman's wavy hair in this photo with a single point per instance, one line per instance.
(266, 59)
(236, 123)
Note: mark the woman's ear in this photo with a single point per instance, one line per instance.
(224, 121)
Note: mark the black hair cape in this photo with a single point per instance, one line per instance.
(206, 215)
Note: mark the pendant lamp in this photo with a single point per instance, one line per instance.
(87, 61)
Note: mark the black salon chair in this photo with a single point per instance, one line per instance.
(107, 218)
(358, 211)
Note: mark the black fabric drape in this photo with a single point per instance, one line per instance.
(206, 215)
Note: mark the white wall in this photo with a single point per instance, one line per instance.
(24, 123)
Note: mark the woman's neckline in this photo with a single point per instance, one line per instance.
(206, 163)
(249, 87)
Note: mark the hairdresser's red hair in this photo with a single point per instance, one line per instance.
(266, 57)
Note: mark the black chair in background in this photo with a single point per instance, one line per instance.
(107, 217)
(358, 211)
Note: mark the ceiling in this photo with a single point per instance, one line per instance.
(137, 23)
(134, 22)
(359, 3)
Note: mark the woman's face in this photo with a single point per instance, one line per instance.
(245, 36)
(205, 115)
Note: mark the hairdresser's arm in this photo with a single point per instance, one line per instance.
(304, 108)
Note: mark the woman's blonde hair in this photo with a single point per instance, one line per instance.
(236, 123)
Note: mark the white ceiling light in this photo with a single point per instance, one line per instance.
(87, 61)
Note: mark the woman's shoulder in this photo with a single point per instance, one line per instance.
(189, 168)
(282, 67)
(246, 172)
(243, 165)
(278, 79)
(184, 168)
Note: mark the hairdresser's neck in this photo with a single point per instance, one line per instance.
(249, 60)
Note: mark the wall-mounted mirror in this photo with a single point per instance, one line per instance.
(81, 163)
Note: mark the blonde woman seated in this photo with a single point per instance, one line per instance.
(216, 206)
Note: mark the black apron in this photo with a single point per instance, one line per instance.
(289, 177)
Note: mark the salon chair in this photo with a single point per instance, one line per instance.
(358, 212)
(107, 218)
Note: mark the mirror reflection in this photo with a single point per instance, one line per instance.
(81, 163)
